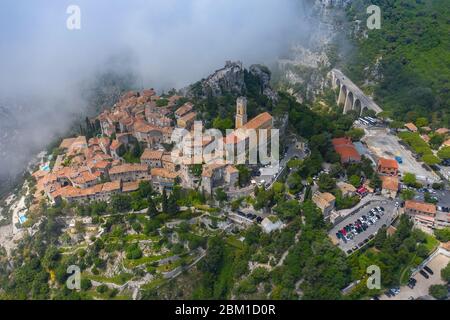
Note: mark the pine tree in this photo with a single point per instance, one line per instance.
(172, 205)
(164, 202)
(152, 211)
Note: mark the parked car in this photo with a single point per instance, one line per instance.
(412, 283)
(424, 274)
(427, 269)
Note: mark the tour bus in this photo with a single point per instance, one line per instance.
(361, 120)
(369, 120)
(372, 119)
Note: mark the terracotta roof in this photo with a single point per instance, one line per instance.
(442, 131)
(128, 167)
(185, 108)
(258, 121)
(346, 149)
(164, 173)
(150, 154)
(421, 206)
(84, 177)
(347, 187)
(72, 192)
(411, 126)
(209, 169)
(66, 143)
(148, 92)
(39, 174)
(425, 137)
(390, 183)
(189, 117)
(255, 123)
(446, 143)
(111, 186)
(446, 245)
(130, 186)
(141, 126)
(323, 199)
(387, 163)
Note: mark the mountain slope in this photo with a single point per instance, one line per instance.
(407, 62)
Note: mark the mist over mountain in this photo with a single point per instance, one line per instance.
(47, 71)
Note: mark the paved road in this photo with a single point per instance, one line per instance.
(267, 175)
(389, 213)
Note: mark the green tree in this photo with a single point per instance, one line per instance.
(288, 210)
(407, 194)
(445, 273)
(355, 181)
(375, 182)
(421, 122)
(294, 183)
(223, 124)
(438, 291)
(355, 134)
(410, 179)
(442, 235)
(444, 153)
(164, 202)
(151, 211)
(121, 202)
(244, 175)
(85, 284)
(430, 159)
(326, 183)
(221, 196)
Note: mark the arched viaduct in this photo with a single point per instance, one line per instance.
(350, 95)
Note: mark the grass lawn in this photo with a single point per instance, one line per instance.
(235, 242)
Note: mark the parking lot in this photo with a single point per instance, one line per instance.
(422, 284)
(383, 144)
(355, 240)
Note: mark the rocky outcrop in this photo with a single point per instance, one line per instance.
(303, 72)
(232, 79)
(264, 75)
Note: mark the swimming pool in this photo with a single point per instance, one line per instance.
(22, 219)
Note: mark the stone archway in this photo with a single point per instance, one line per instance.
(342, 95)
(363, 110)
(349, 102)
(357, 107)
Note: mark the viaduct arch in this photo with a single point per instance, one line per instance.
(350, 96)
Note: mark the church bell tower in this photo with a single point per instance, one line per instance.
(241, 112)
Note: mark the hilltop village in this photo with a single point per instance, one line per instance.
(126, 200)
(95, 169)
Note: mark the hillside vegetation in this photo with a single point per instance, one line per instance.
(407, 61)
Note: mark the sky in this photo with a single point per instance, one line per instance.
(165, 43)
(170, 42)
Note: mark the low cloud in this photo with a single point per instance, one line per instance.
(165, 43)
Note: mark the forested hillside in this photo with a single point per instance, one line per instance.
(407, 62)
